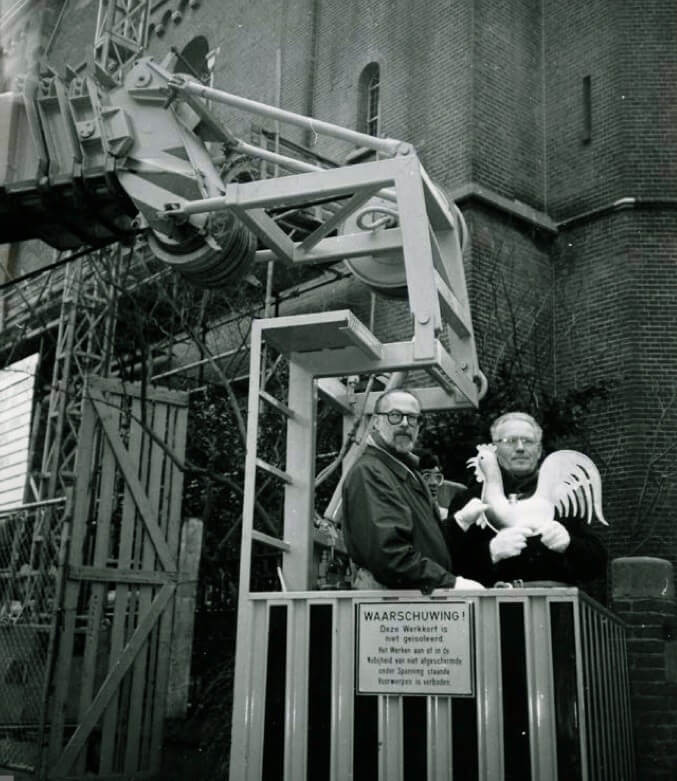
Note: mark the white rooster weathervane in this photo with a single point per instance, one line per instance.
(568, 483)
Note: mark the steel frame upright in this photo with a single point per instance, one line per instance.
(84, 346)
(121, 35)
(302, 339)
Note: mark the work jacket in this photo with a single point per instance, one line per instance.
(584, 559)
(391, 524)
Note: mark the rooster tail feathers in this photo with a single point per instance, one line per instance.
(572, 482)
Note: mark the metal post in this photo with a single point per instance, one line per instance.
(299, 494)
(387, 146)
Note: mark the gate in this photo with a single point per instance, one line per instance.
(114, 627)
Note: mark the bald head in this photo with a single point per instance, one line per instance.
(397, 419)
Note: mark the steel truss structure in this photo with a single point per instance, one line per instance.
(121, 35)
(84, 346)
(428, 240)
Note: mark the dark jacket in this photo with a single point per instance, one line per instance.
(583, 560)
(391, 525)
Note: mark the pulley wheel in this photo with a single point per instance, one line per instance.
(218, 262)
(383, 273)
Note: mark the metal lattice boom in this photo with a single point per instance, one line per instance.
(121, 34)
(84, 346)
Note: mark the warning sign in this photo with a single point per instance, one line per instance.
(414, 648)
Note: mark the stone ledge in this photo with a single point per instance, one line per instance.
(640, 577)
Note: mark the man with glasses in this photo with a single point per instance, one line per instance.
(563, 551)
(391, 523)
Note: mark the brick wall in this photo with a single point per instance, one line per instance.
(615, 307)
(626, 50)
(510, 283)
(644, 596)
(261, 54)
(616, 318)
(582, 39)
(424, 55)
(508, 130)
(648, 58)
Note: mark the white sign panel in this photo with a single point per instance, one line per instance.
(16, 403)
(415, 648)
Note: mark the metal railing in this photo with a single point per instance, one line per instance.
(550, 699)
(30, 540)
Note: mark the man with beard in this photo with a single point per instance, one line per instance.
(391, 523)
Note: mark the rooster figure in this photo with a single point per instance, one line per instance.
(568, 483)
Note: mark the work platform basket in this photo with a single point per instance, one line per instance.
(545, 689)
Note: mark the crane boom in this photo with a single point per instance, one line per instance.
(93, 163)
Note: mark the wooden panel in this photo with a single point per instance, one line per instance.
(62, 676)
(119, 630)
(112, 680)
(173, 499)
(139, 726)
(124, 577)
(16, 421)
(152, 393)
(98, 590)
(137, 494)
(140, 498)
(13, 447)
(184, 619)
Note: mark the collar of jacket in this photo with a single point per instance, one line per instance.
(519, 485)
(402, 465)
(403, 469)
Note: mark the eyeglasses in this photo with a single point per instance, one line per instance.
(432, 478)
(513, 441)
(395, 417)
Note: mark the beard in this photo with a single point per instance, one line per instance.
(403, 442)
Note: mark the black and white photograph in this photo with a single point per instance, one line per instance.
(338, 390)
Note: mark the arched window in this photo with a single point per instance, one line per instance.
(370, 99)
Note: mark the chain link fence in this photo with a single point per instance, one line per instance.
(29, 563)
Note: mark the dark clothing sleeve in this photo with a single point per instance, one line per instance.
(391, 529)
(586, 556)
(584, 559)
(470, 551)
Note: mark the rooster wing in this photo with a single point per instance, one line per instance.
(571, 481)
